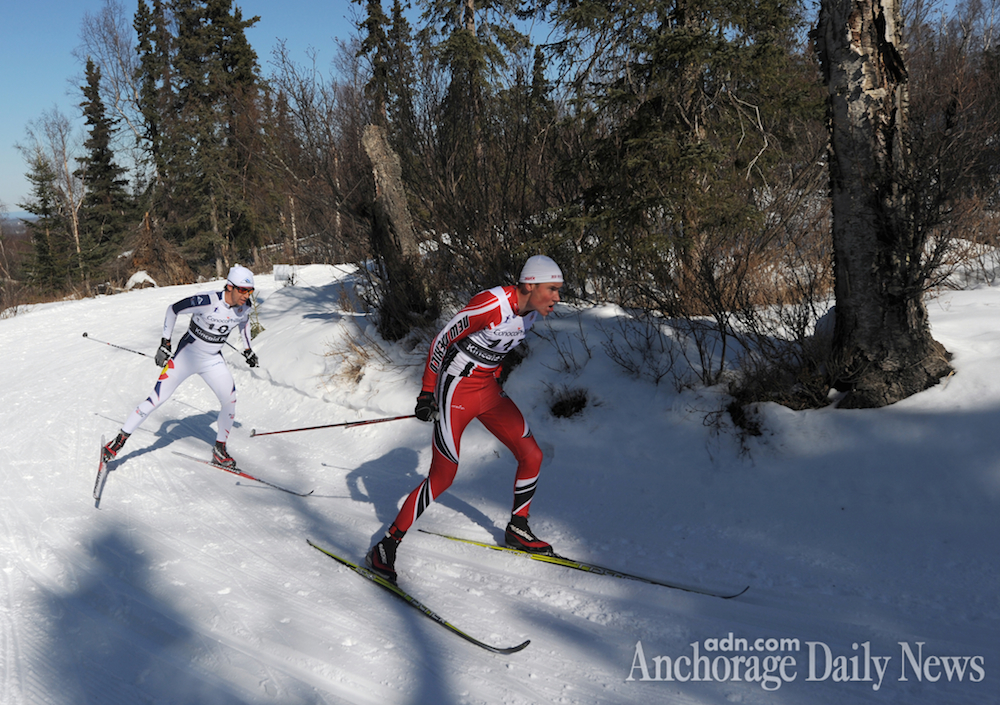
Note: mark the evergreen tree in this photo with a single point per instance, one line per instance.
(386, 42)
(686, 105)
(105, 211)
(49, 235)
(375, 45)
(401, 288)
(200, 98)
(475, 42)
(401, 78)
(155, 48)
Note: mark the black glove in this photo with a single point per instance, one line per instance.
(427, 407)
(251, 357)
(163, 353)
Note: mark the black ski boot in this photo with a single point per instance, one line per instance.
(381, 559)
(221, 457)
(519, 536)
(111, 449)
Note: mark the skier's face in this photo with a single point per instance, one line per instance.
(236, 295)
(543, 297)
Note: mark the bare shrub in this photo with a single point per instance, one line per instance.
(639, 345)
(356, 350)
(573, 350)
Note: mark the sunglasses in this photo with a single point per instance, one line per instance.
(243, 289)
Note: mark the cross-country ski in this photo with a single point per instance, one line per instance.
(240, 473)
(102, 473)
(590, 567)
(417, 605)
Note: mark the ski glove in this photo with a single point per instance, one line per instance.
(163, 353)
(427, 407)
(251, 357)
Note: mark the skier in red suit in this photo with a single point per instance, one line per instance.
(461, 383)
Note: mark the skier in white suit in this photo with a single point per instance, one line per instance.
(214, 314)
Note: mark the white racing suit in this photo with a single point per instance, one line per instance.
(199, 352)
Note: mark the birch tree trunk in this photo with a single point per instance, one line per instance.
(883, 350)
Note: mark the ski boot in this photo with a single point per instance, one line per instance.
(221, 457)
(381, 559)
(519, 536)
(110, 451)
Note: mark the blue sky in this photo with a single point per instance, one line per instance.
(38, 70)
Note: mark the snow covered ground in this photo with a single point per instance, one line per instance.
(868, 538)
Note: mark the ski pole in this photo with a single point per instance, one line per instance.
(116, 346)
(334, 425)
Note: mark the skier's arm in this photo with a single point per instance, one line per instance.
(182, 306)
(482, 310)
(248, 353)
(245, 334)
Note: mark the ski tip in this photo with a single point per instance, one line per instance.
(515, 649)
(253, 432)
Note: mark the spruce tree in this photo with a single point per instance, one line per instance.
(375, 45)
(49, 235)
(386, 42)
(475, 42)
(401, 288)
(156, 93)
(200, 98)
(686, 105)
(401, 78)
(106, 209)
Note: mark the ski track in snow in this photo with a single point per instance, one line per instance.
(187, 584)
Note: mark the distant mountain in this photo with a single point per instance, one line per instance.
(17, 215)
(13, 227)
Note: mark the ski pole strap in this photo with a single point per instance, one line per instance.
(365, 422)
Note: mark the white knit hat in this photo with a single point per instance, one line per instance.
(540, 269)
(241, 277)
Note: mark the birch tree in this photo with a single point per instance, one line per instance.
(883, 350)
(53, 141)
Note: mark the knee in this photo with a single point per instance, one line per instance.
(530, 455)
(442, 473)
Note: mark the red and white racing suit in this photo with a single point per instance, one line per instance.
(199, 352)
(462, 370)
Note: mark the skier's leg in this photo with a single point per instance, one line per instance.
(220, 380)
(439, 478)
(506, 422)
(177, 369)
(452, 420)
